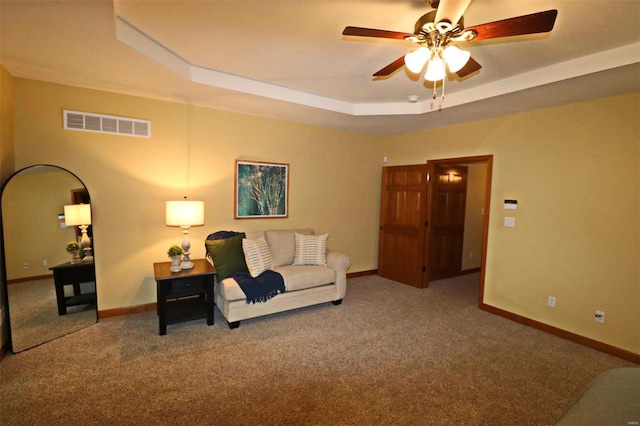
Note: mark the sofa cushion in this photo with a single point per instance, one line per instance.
(230, 290)
(305, 276)
(282, 244)
(227, 255)
(295, 278)
(310, 249)
(256, 256)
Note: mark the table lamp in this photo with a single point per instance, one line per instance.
(80, 215)
(185, 214)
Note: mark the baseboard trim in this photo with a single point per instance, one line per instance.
(585, 341)
(470, 271)
(118, 312)
(25, 279)
(362, 273)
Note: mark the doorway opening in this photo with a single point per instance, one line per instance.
(479, 179)
(422, 220)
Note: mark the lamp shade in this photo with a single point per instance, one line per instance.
(77, 214)
(185, 213)
(415, 60)
(435, 70)
(455, 57)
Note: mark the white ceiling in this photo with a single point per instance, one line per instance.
(288, 60)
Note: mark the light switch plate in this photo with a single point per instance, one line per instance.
(510, 222)
(511, 204)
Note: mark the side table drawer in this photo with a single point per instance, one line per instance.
(186, 286)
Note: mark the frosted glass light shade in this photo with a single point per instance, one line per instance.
(185, 213)
(455, 58)
(435, 70)
(77, 214)
(415, 60)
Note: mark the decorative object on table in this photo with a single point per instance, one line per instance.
(73, 248)
(185, 214)
(262, 190)
(174, 252)
(80, 215)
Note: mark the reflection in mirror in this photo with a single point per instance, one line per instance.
(48, 296)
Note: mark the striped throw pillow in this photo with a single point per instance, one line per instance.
(310, 249)
(257, 256)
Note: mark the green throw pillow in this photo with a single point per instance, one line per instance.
(227, 255)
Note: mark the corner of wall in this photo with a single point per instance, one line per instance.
(7, 167)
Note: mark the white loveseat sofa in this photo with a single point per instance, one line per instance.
(306, 284)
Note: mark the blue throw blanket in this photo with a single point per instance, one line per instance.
(261, 288)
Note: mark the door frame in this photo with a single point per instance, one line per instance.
(488, 159)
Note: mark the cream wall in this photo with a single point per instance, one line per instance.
(334, 185)
(6, 158)
(6, 125)
(474, 216)
(575, 171)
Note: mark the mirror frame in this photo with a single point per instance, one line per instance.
(5, 290)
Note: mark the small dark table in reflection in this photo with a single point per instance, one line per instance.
(73, 274)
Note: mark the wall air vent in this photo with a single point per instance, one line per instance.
(100, 123)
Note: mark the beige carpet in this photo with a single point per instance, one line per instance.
(389, 355)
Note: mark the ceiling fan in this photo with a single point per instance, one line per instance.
(437, 32)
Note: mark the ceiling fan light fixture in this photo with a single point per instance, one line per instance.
(455, 57)
(435, 69)
(415, 60)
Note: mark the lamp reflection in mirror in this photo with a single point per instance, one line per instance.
(185, 214)
(80, 215)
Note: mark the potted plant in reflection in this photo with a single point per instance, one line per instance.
(73, 248)
(174, 252)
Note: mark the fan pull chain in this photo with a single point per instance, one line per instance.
(442, 99)
(435, 95)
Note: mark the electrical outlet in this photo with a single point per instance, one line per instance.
(25, 265)
(600, 317)
(45, 262)
(551, 301)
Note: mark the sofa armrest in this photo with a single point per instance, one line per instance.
(340, 263)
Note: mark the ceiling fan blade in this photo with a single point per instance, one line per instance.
(391, 68)
(370, 32)
(451, 10)
(534, 23)
(470, 67)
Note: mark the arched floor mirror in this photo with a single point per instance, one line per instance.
(47, 293)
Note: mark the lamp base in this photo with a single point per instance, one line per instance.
(88, 257)
(186, 265)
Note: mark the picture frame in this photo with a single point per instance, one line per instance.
(261, 190)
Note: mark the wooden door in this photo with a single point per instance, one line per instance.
(402, 224)
(445, 214)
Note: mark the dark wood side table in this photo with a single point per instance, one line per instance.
(186, 295)
(73, 274)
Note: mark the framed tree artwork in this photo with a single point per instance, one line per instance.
(262, 190)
